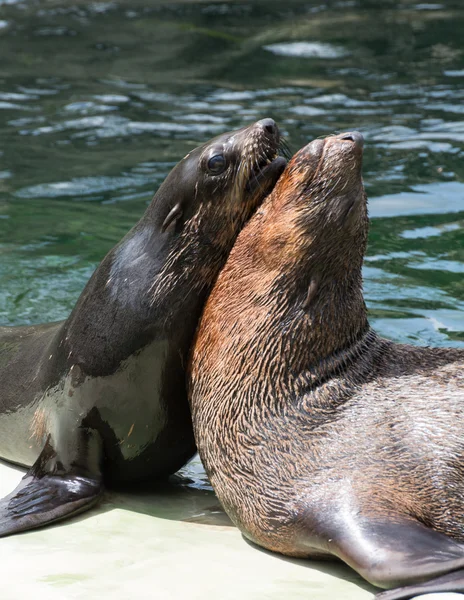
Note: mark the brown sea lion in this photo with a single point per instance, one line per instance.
(320, 438)
(101, 398)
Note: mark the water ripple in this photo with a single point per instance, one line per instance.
(307, 50)
(99, 99)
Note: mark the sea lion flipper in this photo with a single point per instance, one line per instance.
(451, 582)
(396, 551)
(62, 482)
(40, 501)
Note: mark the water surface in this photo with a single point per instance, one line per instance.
(98, 100)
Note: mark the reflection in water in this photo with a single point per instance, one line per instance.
(186, 496)
(98, 100)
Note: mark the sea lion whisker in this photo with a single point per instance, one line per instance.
(284, 147)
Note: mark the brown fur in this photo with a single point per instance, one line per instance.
(39, 425)
(299, 408)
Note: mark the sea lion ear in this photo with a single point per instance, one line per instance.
(312, 291)
(173, 216)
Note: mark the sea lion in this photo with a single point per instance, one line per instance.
(320, 438)
(101, 397)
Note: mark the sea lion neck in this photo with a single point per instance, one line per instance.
(308, 316)
(306, 289)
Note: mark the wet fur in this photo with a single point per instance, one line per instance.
(300, 410)
(141, 306)
(100, 399)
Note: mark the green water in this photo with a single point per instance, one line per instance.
(99, 99)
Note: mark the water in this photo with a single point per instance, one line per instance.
(98, 100)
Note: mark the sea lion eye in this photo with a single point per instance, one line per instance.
(216, 164)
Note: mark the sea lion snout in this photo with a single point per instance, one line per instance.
(258, 147)
(353, 136)
(270, 127)
(349, 144)
(324, 178)
(319, 161)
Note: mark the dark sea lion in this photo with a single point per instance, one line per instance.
(320, 438)
(101, 398)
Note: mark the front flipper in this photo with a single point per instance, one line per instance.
(392, 550)
(399, 552)
(54, 488)
(36, 502)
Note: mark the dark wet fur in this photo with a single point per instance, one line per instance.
(101, 398)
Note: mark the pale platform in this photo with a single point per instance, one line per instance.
(171, 543)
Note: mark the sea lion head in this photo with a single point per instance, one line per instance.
(316, 221)
(222, 182)
(207, 198)
(322, 198)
